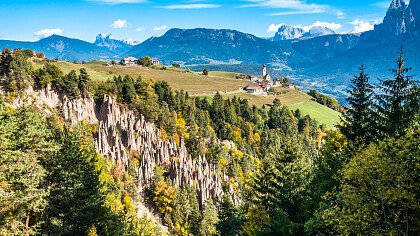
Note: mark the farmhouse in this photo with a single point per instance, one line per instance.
(155, 61)
(129, 61)
(254, 89)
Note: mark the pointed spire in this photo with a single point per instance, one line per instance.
(397, 4)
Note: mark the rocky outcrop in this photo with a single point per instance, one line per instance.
(400, 19)
(122, 136)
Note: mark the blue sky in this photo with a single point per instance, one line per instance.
(31, 20)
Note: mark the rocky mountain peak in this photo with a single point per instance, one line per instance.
(110, 42)
(397, 4)
(288, 32)
(400, 19)
(318, 31)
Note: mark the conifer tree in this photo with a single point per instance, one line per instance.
(358, 122)
(398, 102)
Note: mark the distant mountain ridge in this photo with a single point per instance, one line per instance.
(317, 59)
(63, 48)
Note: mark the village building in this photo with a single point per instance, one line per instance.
(129, 61)
(277, 83)
(254, 89)
(265, 85)
(155, 61)
(289, 85)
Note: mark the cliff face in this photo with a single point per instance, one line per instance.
(122, 135)
(400, 19)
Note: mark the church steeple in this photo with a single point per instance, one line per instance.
(264, 71)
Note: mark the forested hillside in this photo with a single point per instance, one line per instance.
(280, 172)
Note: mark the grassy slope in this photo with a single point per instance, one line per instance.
(194, 83)
(200, 85)
(322, 114)
(289, 97)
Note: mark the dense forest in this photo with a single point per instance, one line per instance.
(293, 177)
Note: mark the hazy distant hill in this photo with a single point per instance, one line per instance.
(64, 48)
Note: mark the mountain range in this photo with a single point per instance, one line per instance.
(317, 59)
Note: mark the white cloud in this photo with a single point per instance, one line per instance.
(274, 27)
(118, 24)
(47, 32)
(159, 28)
(115, 2)
(341, 15)
(190, 6)
(140, 29)
(362, 26)
(296, 6)
(333, 26)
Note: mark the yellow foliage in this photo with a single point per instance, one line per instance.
(237, 135)
(177, 139)
(126, 199)
(257, 137)
(237, 155)
(92, 231)
(164, 197)
(181, 125)
(164, 135)
(224, 164)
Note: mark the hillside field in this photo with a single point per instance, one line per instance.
(322, 114)
(197, 84)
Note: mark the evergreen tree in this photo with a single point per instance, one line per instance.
(398, 102)
(231, 220)
(75, 202)
(25, 142)
(209, 220)
(358, 121)
(84, 83)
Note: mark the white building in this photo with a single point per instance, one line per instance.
(155, 61)
(129, 61)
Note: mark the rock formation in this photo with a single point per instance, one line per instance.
(122, 136)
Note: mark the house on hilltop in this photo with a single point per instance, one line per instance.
(128, 61)
(155, 61)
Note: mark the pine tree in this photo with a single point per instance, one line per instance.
(265, 186)
(357, 123)
(25, 142)
(398, 102)
(84, 83)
